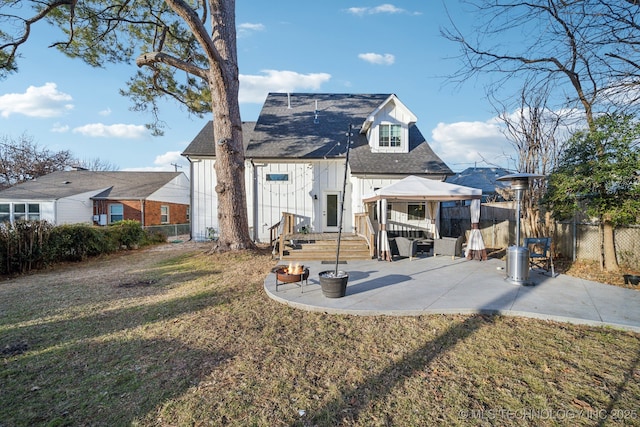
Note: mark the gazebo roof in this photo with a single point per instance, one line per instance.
(417, 188)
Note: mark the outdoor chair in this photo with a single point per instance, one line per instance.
(407, 248)
(448, 246)
(540, 253)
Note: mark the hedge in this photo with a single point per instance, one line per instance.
(30, 245)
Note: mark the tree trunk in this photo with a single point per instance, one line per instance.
(609, 248)
(224, 85)
(233, 220)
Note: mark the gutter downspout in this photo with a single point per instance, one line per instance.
(142, 212)
(190, 198)
(255, 200)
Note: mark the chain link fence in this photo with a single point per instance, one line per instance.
(170, 230)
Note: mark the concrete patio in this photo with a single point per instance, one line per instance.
(430, 285)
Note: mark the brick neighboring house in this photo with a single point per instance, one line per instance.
(101, 198)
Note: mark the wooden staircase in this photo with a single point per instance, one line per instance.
(323, 247)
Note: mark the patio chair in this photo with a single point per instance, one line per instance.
(406, 247)
(448, 246)
(540, 254)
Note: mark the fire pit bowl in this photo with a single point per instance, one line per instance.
(300, 274)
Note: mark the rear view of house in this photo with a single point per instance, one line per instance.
(101, 198)
(296, 157)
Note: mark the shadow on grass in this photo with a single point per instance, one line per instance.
(347, 409)
(111, 382)
(355, 399)
(37, 337)
(99, 366)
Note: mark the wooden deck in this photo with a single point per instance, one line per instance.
(323, 247)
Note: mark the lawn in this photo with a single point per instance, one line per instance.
(175, 338)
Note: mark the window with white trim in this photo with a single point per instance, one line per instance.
(116, 212)
(26, 212)
(277, 177)
(390, 135)
(164, 214)
(5, 212)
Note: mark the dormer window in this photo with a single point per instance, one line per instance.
(390, 135)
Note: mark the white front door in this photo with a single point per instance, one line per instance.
(330, 211)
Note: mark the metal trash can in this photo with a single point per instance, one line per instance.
(517, 264)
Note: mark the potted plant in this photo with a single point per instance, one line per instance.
(334, 282)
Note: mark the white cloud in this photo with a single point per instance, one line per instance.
(37, 101)
(166, 162)
(100, 130)
(377, 58)
(463, 144)
(168, 158)
(254, 88)
(386, 8)
(105, 112)
(60, 128)
(247, 29)
(383, 8)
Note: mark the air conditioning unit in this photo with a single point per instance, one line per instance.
(96, 218)
(103, 219)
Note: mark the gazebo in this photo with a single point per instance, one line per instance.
(414, 188)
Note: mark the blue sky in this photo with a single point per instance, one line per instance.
(330, 46)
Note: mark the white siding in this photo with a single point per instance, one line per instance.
(272, 198)
(204, 201)
(175, 191)
(390, 114)
(75, 209)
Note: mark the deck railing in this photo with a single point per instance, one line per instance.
(279, 231)
(365, 229)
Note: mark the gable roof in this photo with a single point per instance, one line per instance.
(484, 178)
(301, 126)
(398, 104)
(110, 184)
(417, 188)
(202, 144)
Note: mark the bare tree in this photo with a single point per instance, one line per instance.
(535, 132)
(582, 50)
(162, 36)
(94, 164)
(22, 160)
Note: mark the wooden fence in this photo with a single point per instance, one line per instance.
(572, 240)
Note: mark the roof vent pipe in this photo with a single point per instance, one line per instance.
(288, 100)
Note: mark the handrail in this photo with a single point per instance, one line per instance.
(279, 230)
(364, 228)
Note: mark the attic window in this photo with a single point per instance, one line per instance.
(390, 135)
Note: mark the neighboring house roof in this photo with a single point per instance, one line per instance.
(314, 126)
(483, 178)
(111, 185)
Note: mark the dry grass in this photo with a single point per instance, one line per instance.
(175, 338)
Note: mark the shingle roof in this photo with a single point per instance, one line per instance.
(202, 144)
(116, 185)
(483, 178)
(314, 126)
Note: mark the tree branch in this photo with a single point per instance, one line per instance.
(151, 58)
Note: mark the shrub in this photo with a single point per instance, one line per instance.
(127, 233)
(28, 245)
(76, 242)
(22, 246)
